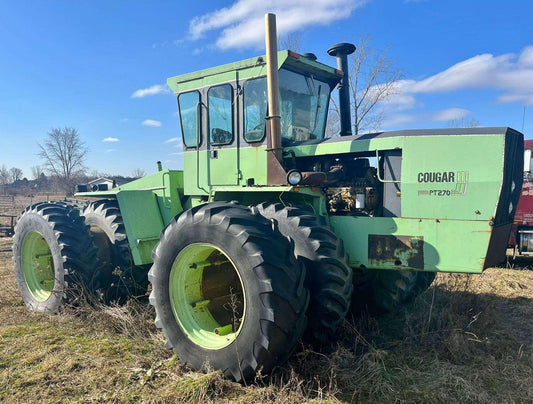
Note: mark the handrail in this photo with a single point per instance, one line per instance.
(379, 176)
(166, 203)
(198, 123)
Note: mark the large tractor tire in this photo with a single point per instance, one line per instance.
(227, 290)
(381, 291)
(121, 278)
(54, 256)
(328, 276)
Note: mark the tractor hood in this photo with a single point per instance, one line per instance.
(370, 142)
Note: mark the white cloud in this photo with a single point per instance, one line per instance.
(450, 114)
(110, 139)
(178, 144)
(445, 115)
(393, 121)
(176, 154)
(151, 122)
(526, 57)
(242, 23)
(510, 73)
(110, 150)
(526, 99)
(399, 101)
(172, 140)
(159, 44)
(153, 90)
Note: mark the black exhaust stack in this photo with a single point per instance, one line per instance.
(341, 52)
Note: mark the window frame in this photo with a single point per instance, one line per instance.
(308, 74)
(232, 100)
(262, 139)
(198, 118)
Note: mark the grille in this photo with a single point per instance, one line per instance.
(512, 177)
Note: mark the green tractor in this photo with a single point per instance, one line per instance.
(272, 232)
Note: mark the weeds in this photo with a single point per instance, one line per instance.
(467, 339)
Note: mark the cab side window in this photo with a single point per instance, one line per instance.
(220, 101)
(255, 109)
(187, 103)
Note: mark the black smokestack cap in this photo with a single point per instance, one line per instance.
(310, 56)
(341, 52)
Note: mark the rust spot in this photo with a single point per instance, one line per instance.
(396, 251)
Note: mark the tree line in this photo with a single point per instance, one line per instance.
(10, 175)
(63, 154)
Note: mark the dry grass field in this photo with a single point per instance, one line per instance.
(20, 202)
(466, 339)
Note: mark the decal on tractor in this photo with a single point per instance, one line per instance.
(459, 178)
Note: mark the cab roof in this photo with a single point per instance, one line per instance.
(253, 67)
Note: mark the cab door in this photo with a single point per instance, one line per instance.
(222, 129)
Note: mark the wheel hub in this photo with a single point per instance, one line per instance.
(37, 266)
(207, 296)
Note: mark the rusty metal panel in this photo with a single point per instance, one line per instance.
(394, 250)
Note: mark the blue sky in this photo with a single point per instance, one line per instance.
(101, 66)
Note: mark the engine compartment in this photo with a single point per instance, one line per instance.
(351, 183)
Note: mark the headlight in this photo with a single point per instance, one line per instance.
(294, 177)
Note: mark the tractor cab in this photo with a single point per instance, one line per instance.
(223, 113)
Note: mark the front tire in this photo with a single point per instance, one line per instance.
(54, 256)
(227, 290)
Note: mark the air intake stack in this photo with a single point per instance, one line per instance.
(341, 52)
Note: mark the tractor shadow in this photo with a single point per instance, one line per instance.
(460, 323)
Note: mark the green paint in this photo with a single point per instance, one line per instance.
(451, 181)
(477, 183)
(37, 266)
(253, 67)
(147, 205)
(449, 245)
(231, 167)
(143, 220)
(145, 247)
(198, 316)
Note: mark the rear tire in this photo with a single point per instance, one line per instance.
(121, 278)
(381, 291)
(54, 256)
(219, 255)
(328, 276)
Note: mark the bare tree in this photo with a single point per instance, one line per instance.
(291, 42)
(138, 173)
(15, 174)
(373, 79)
(64, 155)
(94, 174)
(463, 123)
(36, 172)
(4, 177)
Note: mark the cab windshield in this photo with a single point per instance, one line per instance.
(304, 107)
